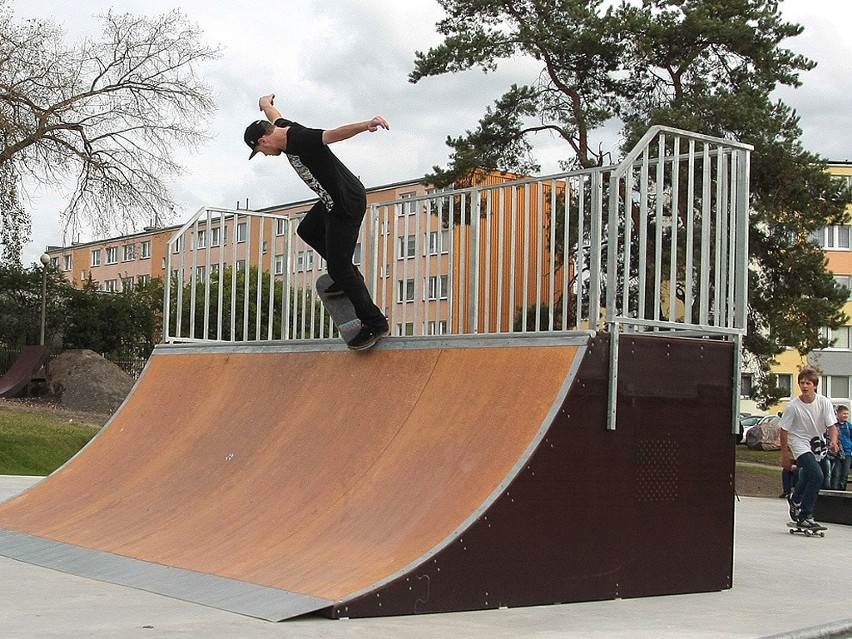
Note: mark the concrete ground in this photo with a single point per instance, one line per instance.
(785, 585)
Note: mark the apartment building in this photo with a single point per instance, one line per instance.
(834, 363)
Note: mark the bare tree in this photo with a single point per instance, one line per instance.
(104, 114)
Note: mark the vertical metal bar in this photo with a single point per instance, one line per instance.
(208, 235)
(585, 183)
(270, 310)
(551, 302)
(539, 252)
(690, 234)
(526, 263)
(193, 279)
(233, 313)
(513, 268)
(627, 241)
(259, 286)
(220, 298)
(488, 266)
(642, 266)
(718, 280)
(706, 236)
(167, 294)
(743, 177)
(501, 259)
(473, 278)
(659, 190)
(596, 232)
(566, 257)
(612, 385)
(673, 270)
(246, 278)
(418, 309)
(286, 286)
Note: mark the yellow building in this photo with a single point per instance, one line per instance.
(834, 363)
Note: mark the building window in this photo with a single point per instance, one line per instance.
(304, 261)
(66, 263)
(279, 264)
(438, 328)
(407, 246)
(145, 249)
(129, 252)
(408, 207)
(240, 265)
(241, 232)
(215, 236)
(439, 242)
(405, 329)
(280, 226)
(201, 239)
(405, 291)
(96, 257)
(839, 337)
(784, 381)
(143, 280)
(179, 244)
(112, 255)
(111, 286)
(846, 282)
(436, 287)
(54, 262)
(126, 283)
(833, 237)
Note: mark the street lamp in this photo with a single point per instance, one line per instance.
(45, 260)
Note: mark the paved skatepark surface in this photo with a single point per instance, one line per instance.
(776, 576)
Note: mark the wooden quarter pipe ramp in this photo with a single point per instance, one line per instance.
(423, 476)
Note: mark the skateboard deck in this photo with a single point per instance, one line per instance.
(340, 309)
(807, 532)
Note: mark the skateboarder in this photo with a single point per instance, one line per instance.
(803, 427)
(332, 225)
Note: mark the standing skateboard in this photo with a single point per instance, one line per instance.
(807, 532)
(341, 310)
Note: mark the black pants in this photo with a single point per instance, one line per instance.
(333, 234)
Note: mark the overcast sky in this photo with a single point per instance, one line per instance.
(339, 61)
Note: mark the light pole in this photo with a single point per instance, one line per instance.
(45, 260)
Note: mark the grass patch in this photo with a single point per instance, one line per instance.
(38, 444)
(769, 457)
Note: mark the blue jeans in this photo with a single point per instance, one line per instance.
(825, 464)
(809, 482)
(839, 472)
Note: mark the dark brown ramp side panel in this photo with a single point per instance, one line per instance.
(596, 514)
(305, 469)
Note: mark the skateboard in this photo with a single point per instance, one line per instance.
(807, 532)
(341, 310)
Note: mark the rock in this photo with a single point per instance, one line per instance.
(83, 380)
(765, 436)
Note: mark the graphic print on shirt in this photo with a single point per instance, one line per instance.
(309, 179)
(818, 446)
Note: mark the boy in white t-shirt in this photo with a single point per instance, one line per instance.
(803, 427)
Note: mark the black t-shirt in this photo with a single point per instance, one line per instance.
(321, 170)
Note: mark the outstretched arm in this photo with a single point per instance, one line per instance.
(330, 136)
(266, 105)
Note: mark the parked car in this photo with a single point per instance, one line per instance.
(746, 423)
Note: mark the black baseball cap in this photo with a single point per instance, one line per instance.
(254, 132)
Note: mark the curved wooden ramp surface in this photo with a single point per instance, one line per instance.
(275, 481)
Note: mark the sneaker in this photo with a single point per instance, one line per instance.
(367, 337)
(808, 523)
(795, 509)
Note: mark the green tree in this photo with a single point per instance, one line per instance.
(104, 113)
(20, 304)
(701, 65)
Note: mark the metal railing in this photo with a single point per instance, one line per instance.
(655, 243)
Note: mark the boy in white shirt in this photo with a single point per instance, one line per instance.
(803, 427)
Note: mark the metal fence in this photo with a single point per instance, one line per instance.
(655, 243)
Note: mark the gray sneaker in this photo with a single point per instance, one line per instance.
(808, 523)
